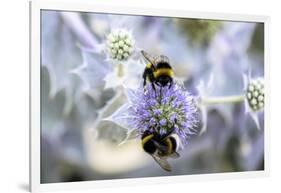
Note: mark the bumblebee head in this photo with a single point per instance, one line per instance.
(164, 80)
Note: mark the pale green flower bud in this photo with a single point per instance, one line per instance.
(255, 94)
(120, 44)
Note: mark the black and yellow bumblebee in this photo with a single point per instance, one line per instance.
(158, 70)
(161, 147)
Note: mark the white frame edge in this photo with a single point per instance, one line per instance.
(35, 64)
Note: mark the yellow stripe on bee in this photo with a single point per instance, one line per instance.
(146, 139)
(170, 145)
(148, 65)
(163, 71)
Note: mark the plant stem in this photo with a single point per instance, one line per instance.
(120, 70)
(80, 29)
(221, 100)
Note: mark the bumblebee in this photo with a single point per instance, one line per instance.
(158, 70)
(161, 147)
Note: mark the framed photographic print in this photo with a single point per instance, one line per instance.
(125, 96)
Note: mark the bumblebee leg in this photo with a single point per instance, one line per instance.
(153, 86)
(171, 83)
(160, 93)
(144, 76)
(158, 83)
(144, 82)
(168, 133)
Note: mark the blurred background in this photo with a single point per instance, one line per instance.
(78, 90)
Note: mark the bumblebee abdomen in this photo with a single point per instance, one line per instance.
(149, 147)
(147, 144)
(174, 144)
(171, 144)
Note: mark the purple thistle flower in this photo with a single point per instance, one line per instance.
(164, 110)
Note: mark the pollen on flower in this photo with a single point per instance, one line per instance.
(255, 94)
(165, 110)
(120, 44)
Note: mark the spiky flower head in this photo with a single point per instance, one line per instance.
(255, 94)
(120, 44)
(165, 110)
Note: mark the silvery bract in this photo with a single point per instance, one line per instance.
(228, 59)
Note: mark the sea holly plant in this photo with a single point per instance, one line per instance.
(227, 57)
(173, 109)
(93, 85)
(59, 55)
(114, 59)
(120, 43)
(121, 52)
(117, 48)
(163, 110)
(252, 96)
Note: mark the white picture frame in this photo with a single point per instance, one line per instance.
(37, 6)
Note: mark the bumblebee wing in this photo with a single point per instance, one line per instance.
(148, 57)
(160, 146)
(174, 155)
(161, 58)
(164, 148)
(163, 163)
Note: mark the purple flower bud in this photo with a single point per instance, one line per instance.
(157, 112)
(163, 122)
(173, 117)
(152, 121)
